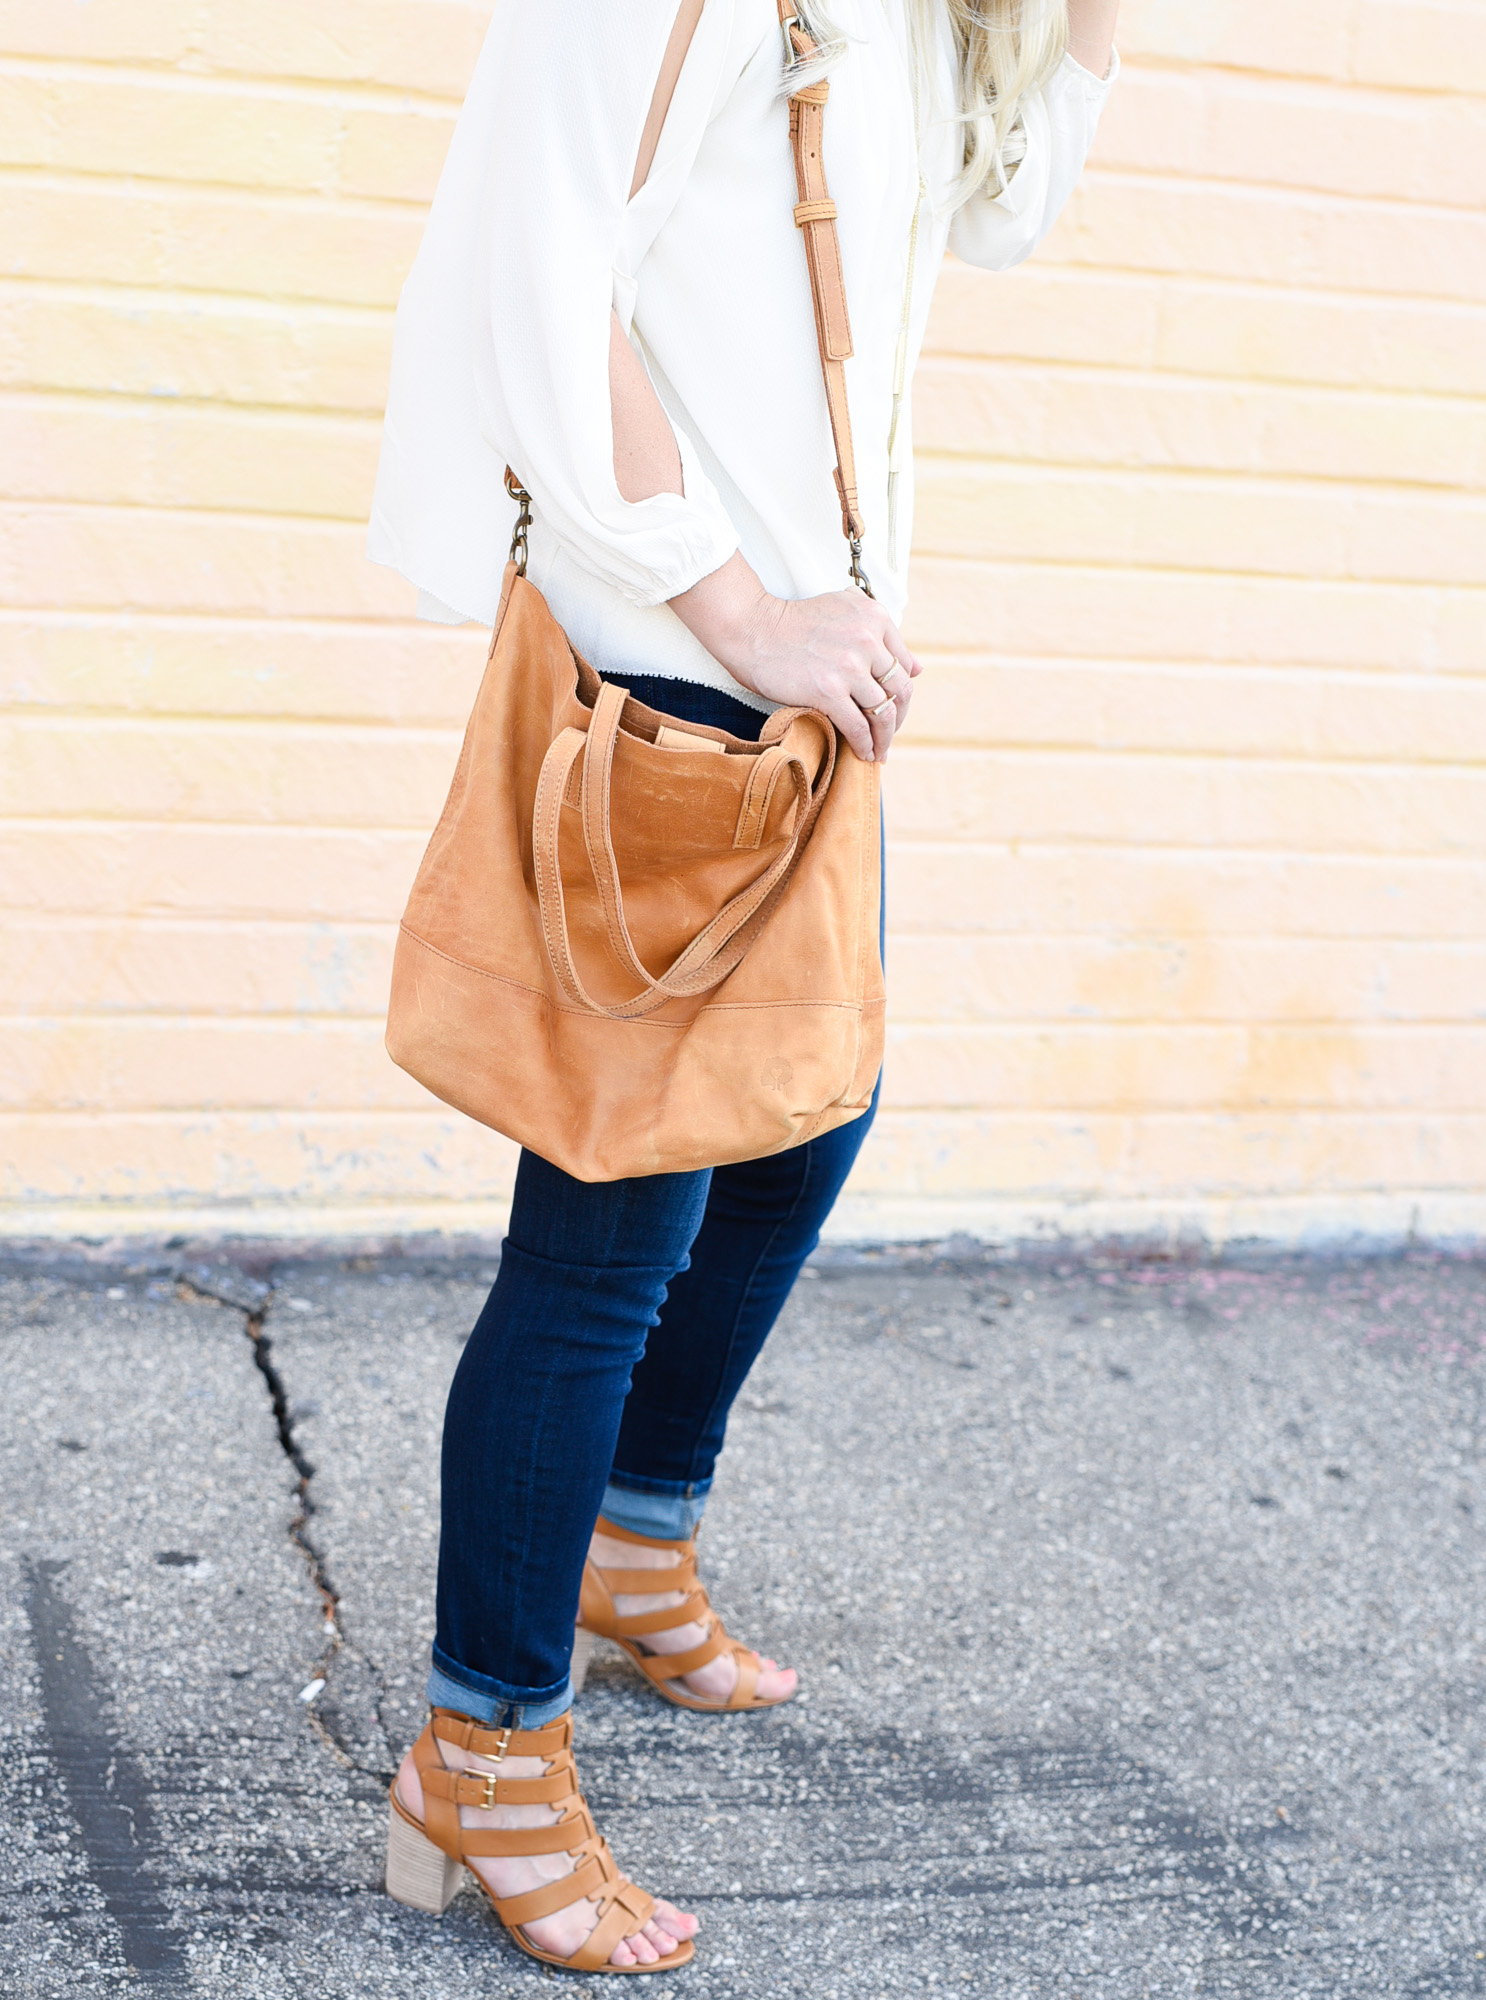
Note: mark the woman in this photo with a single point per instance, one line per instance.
(612, 298)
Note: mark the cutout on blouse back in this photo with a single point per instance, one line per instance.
(687, 16)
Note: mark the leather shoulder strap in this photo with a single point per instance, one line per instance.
(815, 217)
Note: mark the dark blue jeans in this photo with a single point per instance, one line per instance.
(622, 1323)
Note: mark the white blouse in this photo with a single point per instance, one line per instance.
(502, 338)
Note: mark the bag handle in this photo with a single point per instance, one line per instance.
(721, 945)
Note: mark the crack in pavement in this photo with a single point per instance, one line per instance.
(255, 1319)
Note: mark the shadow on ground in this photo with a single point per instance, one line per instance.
(1138, 1606)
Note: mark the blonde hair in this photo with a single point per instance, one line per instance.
(1006, 48)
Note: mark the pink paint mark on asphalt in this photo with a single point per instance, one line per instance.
(1430, 1304)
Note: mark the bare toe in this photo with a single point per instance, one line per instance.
(644, 1951)
(680, 1923)
(776, 1683)
(622, 1955)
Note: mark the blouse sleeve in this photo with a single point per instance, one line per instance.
(1000, 231)
(572, 83)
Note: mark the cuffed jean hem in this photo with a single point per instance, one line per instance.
(666, 1516)
(493, 1702)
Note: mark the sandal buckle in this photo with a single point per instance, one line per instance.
(491, 1779)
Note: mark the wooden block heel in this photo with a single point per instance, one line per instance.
(583, 1645)
(426, 1862)
(418, 1874)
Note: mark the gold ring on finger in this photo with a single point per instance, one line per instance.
(882, 708)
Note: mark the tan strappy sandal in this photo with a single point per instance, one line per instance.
(425, 1858)
(598, 1618)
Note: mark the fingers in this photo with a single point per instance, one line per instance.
(891, 682)
(839, 653)
(893, 674)
(877, 729)
(892, 638)
(897, 685)
(870, 735)
(853, 725)
(898, 669)
(884, 725)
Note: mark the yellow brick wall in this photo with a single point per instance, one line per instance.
(1187, 887)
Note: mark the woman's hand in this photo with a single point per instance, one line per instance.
(840, 653)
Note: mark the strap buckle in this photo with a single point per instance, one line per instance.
(492, 1778)
(858, 574)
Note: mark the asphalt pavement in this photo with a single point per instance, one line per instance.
(1138, 1606)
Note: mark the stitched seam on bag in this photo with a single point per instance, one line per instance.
(766, 1006)
(582, 1013)
(480, 971)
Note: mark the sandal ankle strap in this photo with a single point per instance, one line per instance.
(482, 1739)
(615, 1533)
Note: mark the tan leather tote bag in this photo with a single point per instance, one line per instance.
(637, 945)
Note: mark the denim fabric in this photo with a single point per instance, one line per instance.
(622, 1323)
(498, 1711)
(668, 1517)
